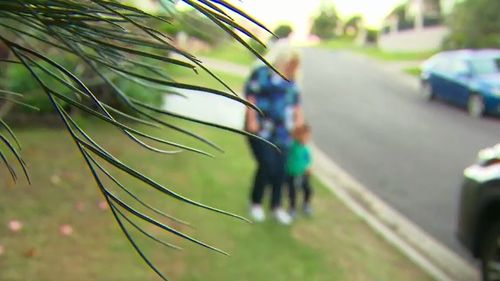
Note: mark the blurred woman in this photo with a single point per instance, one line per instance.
(279, 100)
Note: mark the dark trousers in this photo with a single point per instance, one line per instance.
(270, 171)
(299, 182)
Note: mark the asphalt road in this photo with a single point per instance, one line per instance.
(408, 151)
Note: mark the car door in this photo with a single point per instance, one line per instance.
(458, 82)
(437, 78)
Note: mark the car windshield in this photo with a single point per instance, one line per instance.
(486, 66)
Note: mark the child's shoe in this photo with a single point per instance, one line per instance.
(282, 217)
(308, 211)
(257, 213)
(292, 213)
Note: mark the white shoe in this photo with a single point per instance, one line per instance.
(257, 213)
(282, 217)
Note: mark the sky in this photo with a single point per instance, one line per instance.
(298, 13)
(272, 12)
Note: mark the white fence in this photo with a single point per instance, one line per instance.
(426, 39)
(206, 107)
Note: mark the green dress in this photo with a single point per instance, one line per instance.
(299, 159)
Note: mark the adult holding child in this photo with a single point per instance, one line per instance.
(279, 100)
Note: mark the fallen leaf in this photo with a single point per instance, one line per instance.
(55, 179)
(31, 253)
(80, 206)
(66, 229)
(103, 205)
(15, 225)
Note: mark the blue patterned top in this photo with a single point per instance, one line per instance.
(277, 98)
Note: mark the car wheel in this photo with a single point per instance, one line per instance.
(475, 105)
(490, 254)
(427, 90)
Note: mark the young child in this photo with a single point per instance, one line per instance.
(298, 169)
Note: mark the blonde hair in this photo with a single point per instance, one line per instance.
(281, 54)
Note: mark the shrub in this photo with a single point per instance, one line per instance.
(283, 31)
(474, 24)
(325, 23)
(18, 79)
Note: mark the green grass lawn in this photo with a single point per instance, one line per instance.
(338, 43)
(184, 75)
(347, 44)
(414, 71)
(334, 245)
(233, 52)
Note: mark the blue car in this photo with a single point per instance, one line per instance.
(467, 78)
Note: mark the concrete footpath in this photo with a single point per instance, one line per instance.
(425, 251)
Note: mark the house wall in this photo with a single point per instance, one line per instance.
(415, 40)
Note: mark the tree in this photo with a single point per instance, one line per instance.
(474, 24)
(111, 39)
(352, 26)
(283, 31)
(325, 23)
(200, 27)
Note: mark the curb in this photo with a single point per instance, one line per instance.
(433, 257)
